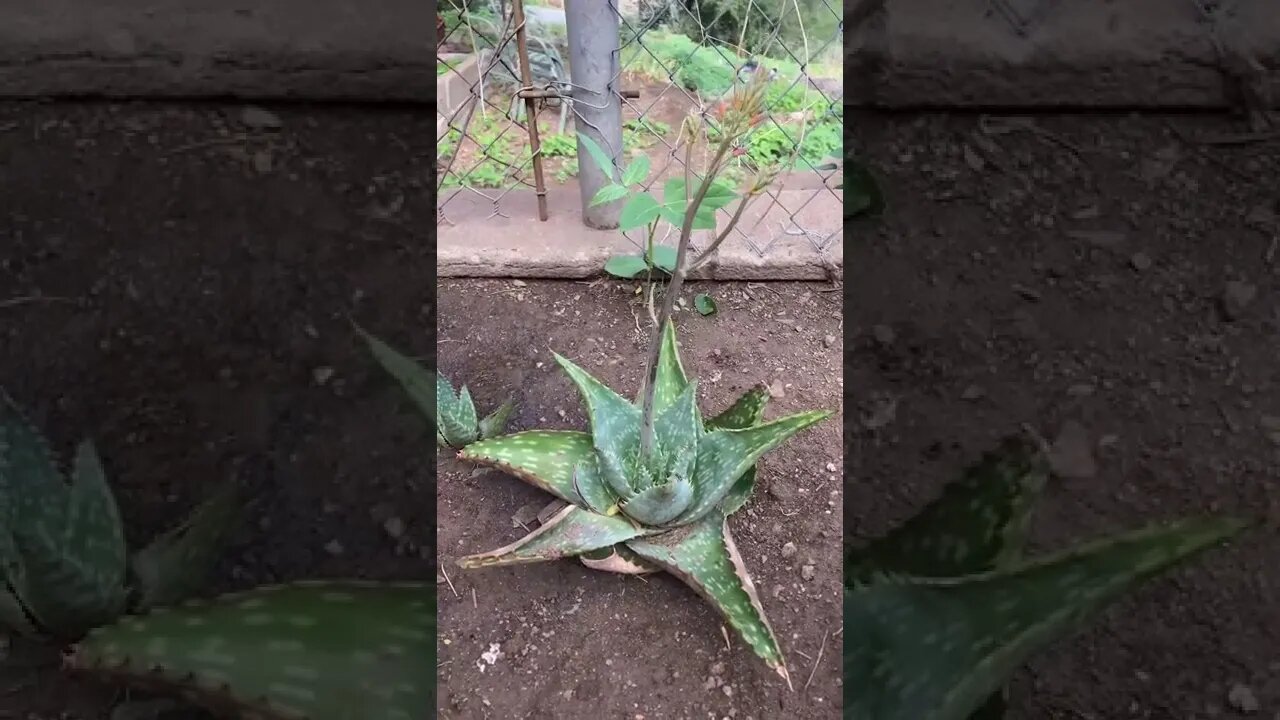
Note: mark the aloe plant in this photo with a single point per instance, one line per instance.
(63, 556)
(944, 608)
(306, 651)
(633, 512)
(452, 414)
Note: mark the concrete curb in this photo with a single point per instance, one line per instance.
(1134, 54)
(287, 49)
(473, 242)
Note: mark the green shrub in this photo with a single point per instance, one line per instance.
(559, 145)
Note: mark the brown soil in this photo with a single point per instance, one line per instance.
(171, 290)
(1021, 280)
(577, 643)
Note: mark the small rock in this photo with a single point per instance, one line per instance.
(1028, 294)
(262, 162)
(1236, 297)
(527, 513)
(334, 547)
(519, 283)
(883, 412)
(788, 550)
(828, 340)
(807, 572)
(717, 669)
(257, 118)
(973, 392)
(776, 390)
(832, 467)
(1140, 262)
(1071, 455)
(975, 161)
(322, 374)
(394, 527)
(883, 334)
(1242, 699)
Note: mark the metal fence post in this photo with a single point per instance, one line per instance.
(594, 66)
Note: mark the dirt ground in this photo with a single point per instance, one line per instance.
(1105, 271)
(557, 640)
(176, 283)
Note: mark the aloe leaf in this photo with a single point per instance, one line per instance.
(496, 421)
(421, 384)
(745, 412)
(572, 531)
(32, 489)
(617, 559)
(542, 458)
(740, 493)
(679, 424)
(979, 521)
(74, 560)
(938, 648)
(13, 618)
(670, 378)
(321, 651)
(595, 493)
(177, 563)
(615, 421)
(660, 504)
(458, 421)
(724, 455)
(704, 556)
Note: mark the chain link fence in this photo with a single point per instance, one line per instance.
(517, 82)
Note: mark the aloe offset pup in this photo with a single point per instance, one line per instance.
(943, 609)
(65, 564)
(308, 651)
(452, 414)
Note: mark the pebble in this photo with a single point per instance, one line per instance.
(973, 392)
(1237, 296)
(334, 547)
(1071, 455)
(883, 334)
(322, 374)
(259, 119)
(807, 572)
(1242, 699)
(1140, 262)
(828, 340)
(788, 550)
(776, 390)
(394, 527)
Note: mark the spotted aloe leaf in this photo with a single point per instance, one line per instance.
(615, 425)
(543, 458)
(939, 648)
(724, 455)
(421, 384)
(660, 504)
(978, 523)
(596, 494)
(669, 378)
(618, 559)
(178, 562)
(74, 561)
(679, 424)
(496, 421)
(570, 532)
(310, 651)
(32, 489)
(746, 412)
(704, 556)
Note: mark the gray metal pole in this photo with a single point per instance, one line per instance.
(593, 69)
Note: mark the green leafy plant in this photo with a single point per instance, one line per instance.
(558, 145)
(452, 414)
(940, 611)
(64, 559)
(649, 497)
(333, 650)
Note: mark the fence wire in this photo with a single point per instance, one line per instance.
(676, 58)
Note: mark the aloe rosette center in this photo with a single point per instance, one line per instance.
(635, 512)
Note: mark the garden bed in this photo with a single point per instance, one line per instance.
(176, 282)
(1086, 269)
(557, 640)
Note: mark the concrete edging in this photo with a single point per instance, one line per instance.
(287, 49)
(474, 242)
(1135, 54)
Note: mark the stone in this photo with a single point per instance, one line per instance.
(1071, 454)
